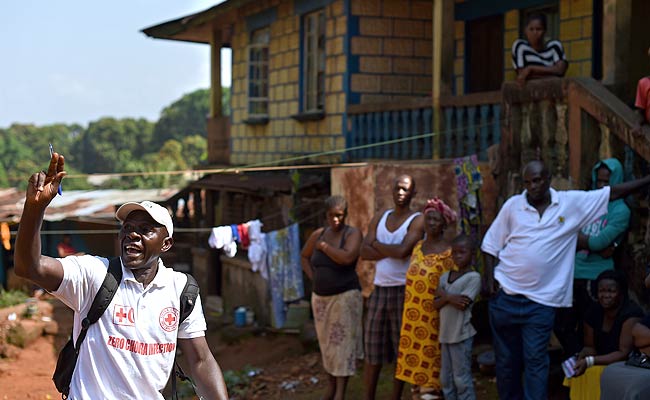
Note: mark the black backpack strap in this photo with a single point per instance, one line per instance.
(188, 300)
(102, 298)
(188, 296)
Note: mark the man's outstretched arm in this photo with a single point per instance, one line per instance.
(45, 271)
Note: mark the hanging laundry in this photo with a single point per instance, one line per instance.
(221, 238)
(257, 248)
(235, 232)
(6, 236)
(468, 190)
(285, 272)
(242, 231)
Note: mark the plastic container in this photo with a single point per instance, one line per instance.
(250, 317)
(240, 316)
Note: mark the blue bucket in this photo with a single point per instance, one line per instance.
(240, 316)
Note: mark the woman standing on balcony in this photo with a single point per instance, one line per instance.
(329, 259)
(532, 57)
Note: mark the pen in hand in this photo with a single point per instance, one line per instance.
(60, 189)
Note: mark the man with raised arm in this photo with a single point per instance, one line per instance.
(130, 351)
(530, 251)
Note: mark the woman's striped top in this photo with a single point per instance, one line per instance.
(524, 55)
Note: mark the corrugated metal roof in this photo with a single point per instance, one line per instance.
(79, 203)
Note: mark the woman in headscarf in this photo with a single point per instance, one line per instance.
(418, 361)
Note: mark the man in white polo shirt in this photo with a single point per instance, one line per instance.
(532, 242)
(130, 351)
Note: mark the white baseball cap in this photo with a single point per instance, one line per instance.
(157, 212)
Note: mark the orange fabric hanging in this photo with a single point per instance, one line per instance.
(6, 235)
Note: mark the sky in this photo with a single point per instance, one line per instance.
(75, 61)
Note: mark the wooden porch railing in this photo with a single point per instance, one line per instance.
(468, 125)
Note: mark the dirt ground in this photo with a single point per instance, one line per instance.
(258, 364)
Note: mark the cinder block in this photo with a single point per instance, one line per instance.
(409, 66)
(512, 20)
(396, 9)
(509, 38)
(459, 29)
(587, 28)
(586, 68)
(341, 25)
(370, 26)
(366, 46)
(395, 84)
(375, 64)
(335, 124)
(294, 41)
(334, 46)
(423, 48)
(460, 48)
(459, 66)
(581, 49)
(366, 7)
(341, 64)
(460, 86)
(570, 30)
(283, 109)
(340, 142)
(311, 129)
(365, 83)
(375, 98)
(422, 10)
(428, 29)
(337, 8)
(334, 83)
(293, 107)
(293, 74)
(341, 102)
(581, 8)
(283, 76)
(565, 9)
(422, 84)
(398, 47)
(329, 27)
(408, 28)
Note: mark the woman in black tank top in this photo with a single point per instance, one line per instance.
(329, 259)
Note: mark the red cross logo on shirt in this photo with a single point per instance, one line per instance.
(169, 319)
(123, 315)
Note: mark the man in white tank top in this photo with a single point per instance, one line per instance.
(391, 237)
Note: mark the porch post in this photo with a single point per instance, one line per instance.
(215, 74)
(442, 63)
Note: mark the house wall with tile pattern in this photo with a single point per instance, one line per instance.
(390, 50)
(284, 137)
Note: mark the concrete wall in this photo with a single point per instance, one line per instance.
(368, 191)
(283, 136)
(243, 287)
(390, 50)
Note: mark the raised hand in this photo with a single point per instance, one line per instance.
(43, 185)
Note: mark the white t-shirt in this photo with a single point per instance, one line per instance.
(129, 353)
(392, 271)
(536, 255)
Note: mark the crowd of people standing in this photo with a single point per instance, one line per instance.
(418, 316)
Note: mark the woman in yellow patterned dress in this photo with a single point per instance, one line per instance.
(418, 359)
